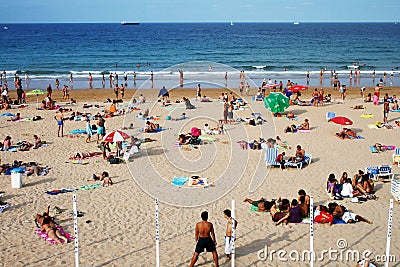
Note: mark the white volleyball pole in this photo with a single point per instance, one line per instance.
(157, 237)
(389, 233)
(311, 232)
(75, 210)
(233, 233)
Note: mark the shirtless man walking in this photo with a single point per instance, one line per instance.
(205, 238)
(229, 243)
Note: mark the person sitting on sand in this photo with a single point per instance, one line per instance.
(304, 126)
(331, 185)
(368, 98)
(33, 168)
(294, 215)
(24, 146)
(150, 127)
(290, 129)
(347, 189)
(7, 143)
(106, 179)
(37, 142)
(104, 147)
(304, 208)
(358, 107)
(395, 105)
(205, 99)
(188, 105)
(262, 204)
(183, 139)
(299, 155)
(48, 226)
(328, 98)
(280, 209)
(142, 99)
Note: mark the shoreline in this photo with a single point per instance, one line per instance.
(83, 94)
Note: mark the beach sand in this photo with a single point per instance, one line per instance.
(118, 226)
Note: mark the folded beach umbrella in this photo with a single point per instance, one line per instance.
(297, 88)
(36, 92)
(276, 102)
(116, 136)
(163, 92)
(341, 120)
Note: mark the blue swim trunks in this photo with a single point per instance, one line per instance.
(101, 130)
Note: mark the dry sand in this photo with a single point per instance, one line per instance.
(121, 230)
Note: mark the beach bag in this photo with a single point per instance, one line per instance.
(36, 118)
(114, 160)
(195, 132)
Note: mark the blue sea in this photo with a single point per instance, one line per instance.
(277, 51)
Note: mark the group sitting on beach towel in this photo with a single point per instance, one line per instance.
(362, 187)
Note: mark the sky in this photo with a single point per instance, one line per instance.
(42, 11)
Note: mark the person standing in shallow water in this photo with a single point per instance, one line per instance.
(205, 238)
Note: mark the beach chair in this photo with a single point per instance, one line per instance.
(330, 115)
(270, 157)
(396, 156)
(299, 165)
(384, 170)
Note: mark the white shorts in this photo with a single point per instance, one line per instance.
(228, 245)
(349, 216)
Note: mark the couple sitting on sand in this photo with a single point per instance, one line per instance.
(104, 178)
(347, 133)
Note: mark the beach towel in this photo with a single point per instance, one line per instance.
(51, 241)
(87, 156)
(8, 114)
(373, 126)
(61, 191)
(89, 187)
(303, 131)
(295, 118)
(207, 138)
(367, 115)
(80, 162)
(395, 110)
(78, 131)
(373, 149)
(179, 181)
(357, 137)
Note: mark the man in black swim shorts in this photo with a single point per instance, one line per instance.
(205, 238)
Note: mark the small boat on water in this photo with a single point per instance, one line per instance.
(129, 23)
(5, 28)
(296, 23)
(231, 23)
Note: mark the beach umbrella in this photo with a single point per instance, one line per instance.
(341, 120)
(297, 88)
(116, 136)
(36, 92)
(276, 102)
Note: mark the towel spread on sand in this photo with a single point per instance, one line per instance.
(179, 181)
(51, 241)
(367, 116)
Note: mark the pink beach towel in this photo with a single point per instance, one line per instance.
(45, 236)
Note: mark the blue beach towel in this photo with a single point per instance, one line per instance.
(179, 181)
(7, 115)
(78, 131)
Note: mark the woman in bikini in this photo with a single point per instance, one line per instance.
(48, 226)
